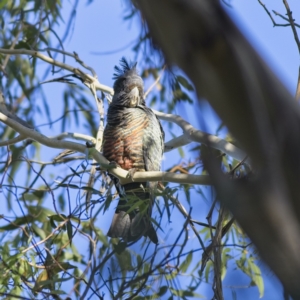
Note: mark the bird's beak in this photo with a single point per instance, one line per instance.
(134, 97)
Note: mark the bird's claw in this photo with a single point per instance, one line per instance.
(131, 173)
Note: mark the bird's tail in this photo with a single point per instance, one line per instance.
(132, 217)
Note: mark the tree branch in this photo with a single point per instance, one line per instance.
(74, 55)
(192, 134)
(292, 22)
(270, 15)
(13, 141)
(86, 78)
(98, 146)
(284, 18)
(74, 135)
(104, 163)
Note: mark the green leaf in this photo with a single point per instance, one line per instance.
(61, 202)
(139, 260)
(162, 290)
(57, 292)
(29, 197)
(181, 152)
(186, 263)
(42, 277)
(70, 231)
(43, 39)
(3, 3)
(183, 81)
(120, 247)
(184, 293)
(207, 269)
(225, 258)
(10, 261)
(71, 186)
(256, 277)
(90, 189)
(40, 232)
(124, 261)
(52, 223)
(36, 195)
(22, 45)
(135, 205)
(17, 222)
(172, 275)
(24, 268)
(58, 218)
(248, 266)
(66, 266)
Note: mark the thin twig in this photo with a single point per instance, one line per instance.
(183, 211)
(74, 55)
(98, 146)
(62, 224)
(209, 248)
(7, 164)
(296, 37)
(88, 80)
(270, 15)
(199, 136)
(3, 66)
(291, 22)
(40, 24)
(13, 141)
(216, 240)
(154, 83)
(284, 18)
(298, 87)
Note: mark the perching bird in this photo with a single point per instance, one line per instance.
(134, 140)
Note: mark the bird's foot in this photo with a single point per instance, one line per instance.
(131, 173)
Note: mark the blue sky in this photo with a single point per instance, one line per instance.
(99, 28)
(275, 44)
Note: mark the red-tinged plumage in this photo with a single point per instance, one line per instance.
(134, 139)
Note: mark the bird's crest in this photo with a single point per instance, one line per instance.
(125, 68)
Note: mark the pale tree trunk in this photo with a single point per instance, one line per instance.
(201, 39)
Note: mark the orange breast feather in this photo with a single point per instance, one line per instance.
(124, 144)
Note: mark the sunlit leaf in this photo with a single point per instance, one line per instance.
(208, 267)
(14, 224)
(186, 263)
(40, 232)
(257, 277)
(171, 275)
(3, 3)
(59, 218)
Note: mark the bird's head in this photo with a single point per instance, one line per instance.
(128, 86)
